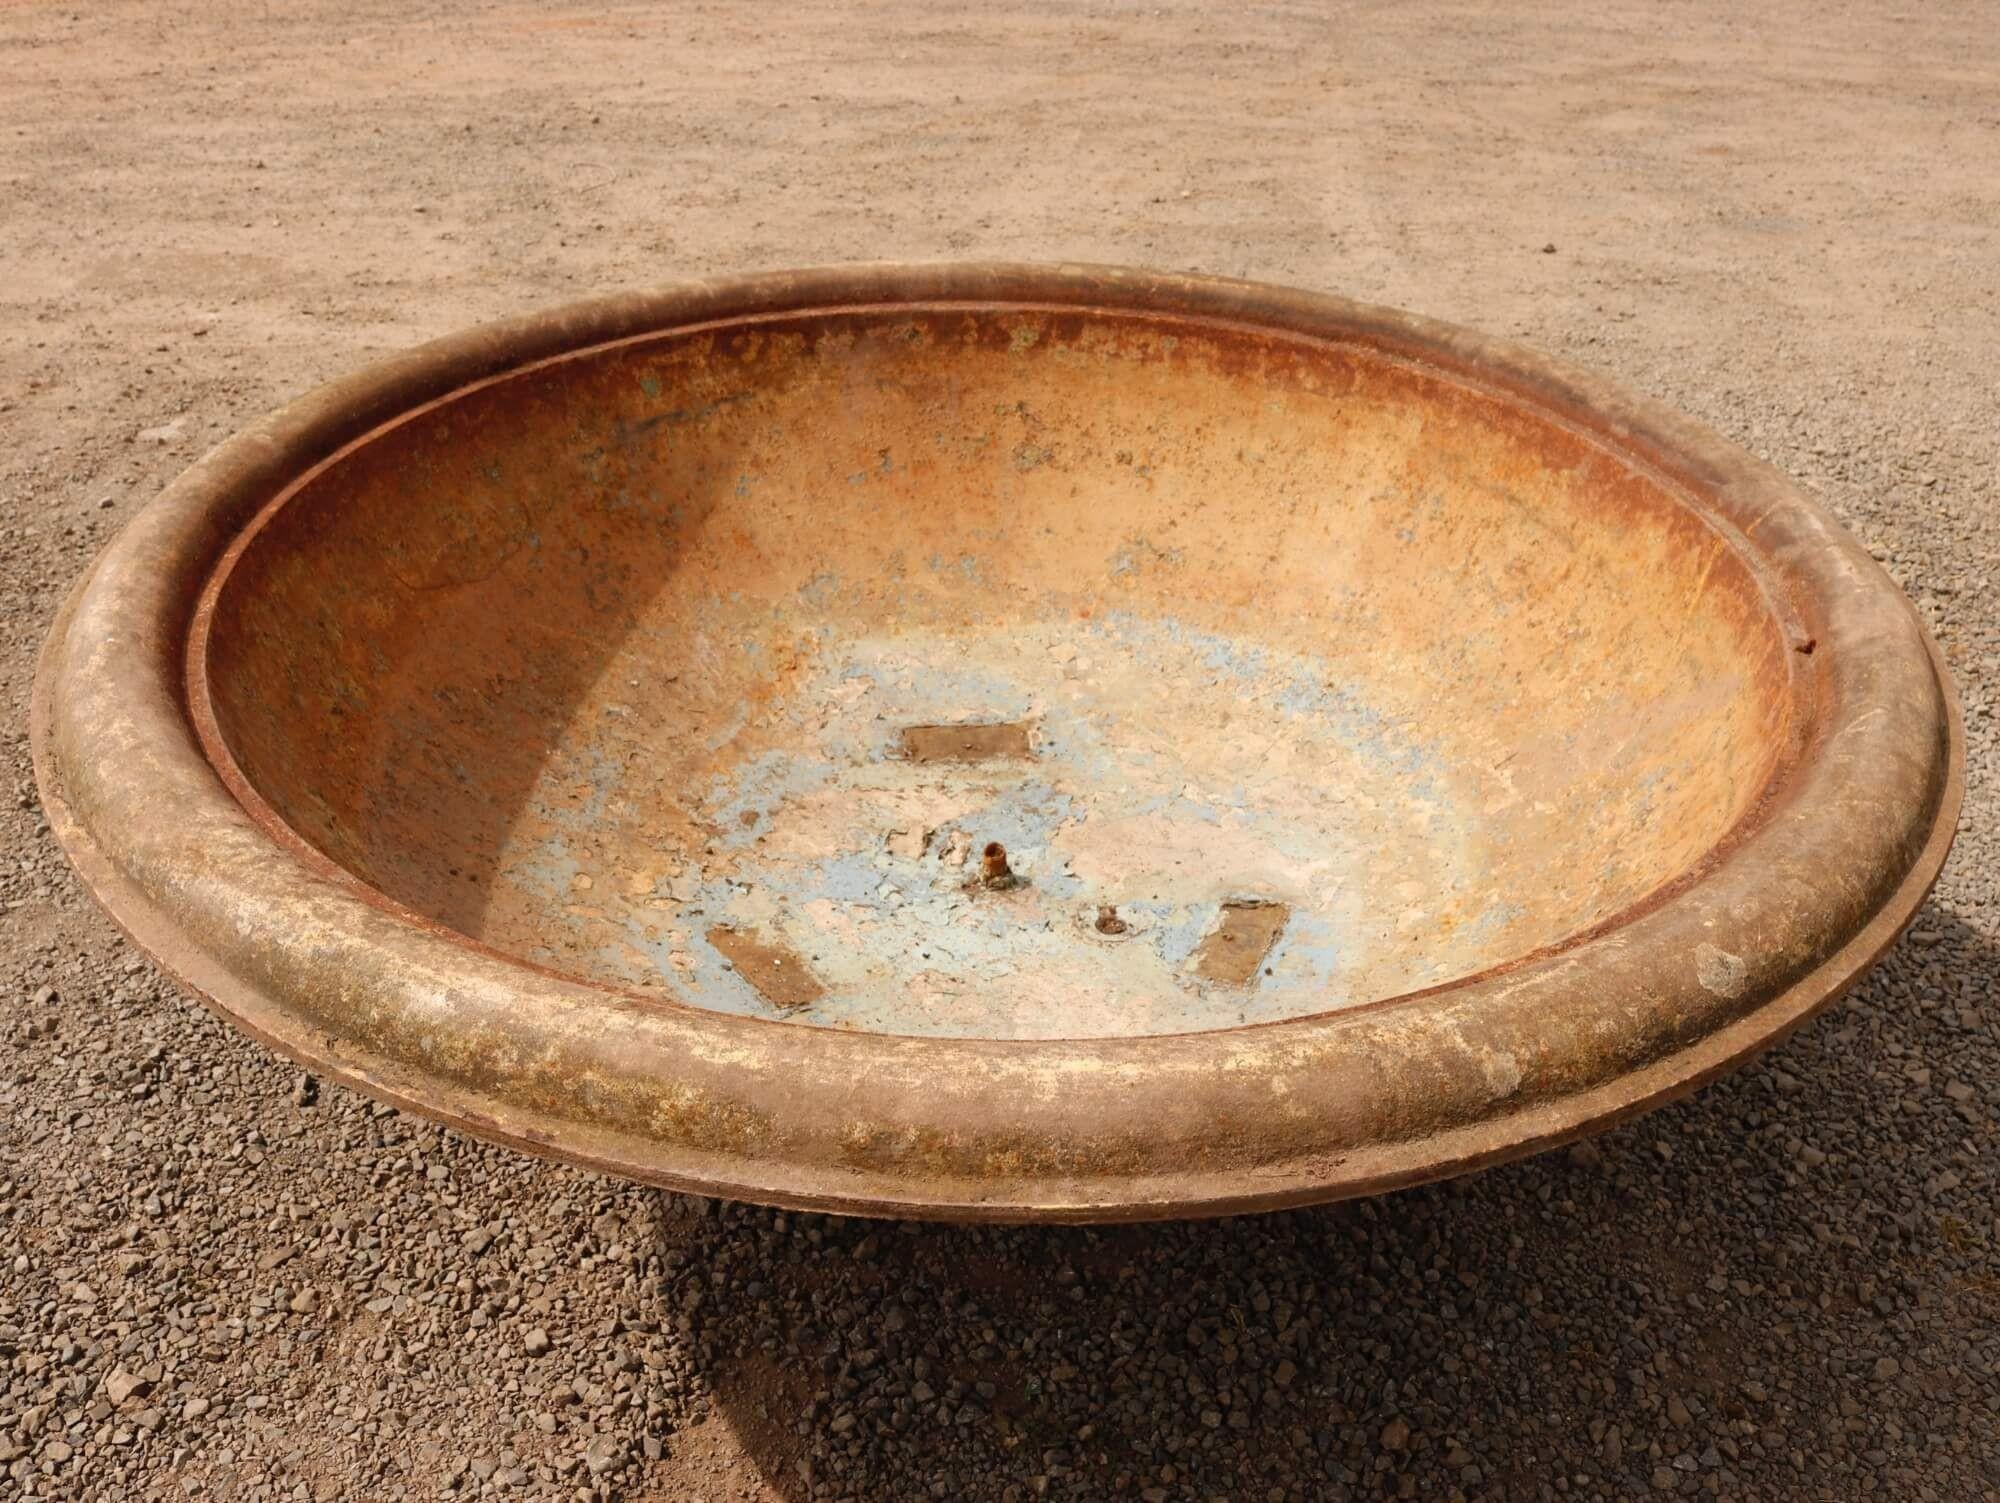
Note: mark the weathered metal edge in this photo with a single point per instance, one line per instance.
(1112, 1186)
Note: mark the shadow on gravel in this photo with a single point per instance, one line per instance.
(1777, 1288)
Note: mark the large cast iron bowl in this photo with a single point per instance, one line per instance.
(998, 742)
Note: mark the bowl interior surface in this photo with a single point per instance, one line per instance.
(1288, 675)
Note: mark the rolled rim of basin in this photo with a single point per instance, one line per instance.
(1802, 895)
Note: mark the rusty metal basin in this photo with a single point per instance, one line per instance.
(998, 742)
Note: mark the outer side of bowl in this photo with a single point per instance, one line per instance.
(1782, 919)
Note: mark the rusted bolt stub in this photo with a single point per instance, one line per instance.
(1103, 924)
(994, 872)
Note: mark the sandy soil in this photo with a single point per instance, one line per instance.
(1784, 218)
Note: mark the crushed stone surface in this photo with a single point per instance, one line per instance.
(220, 1279)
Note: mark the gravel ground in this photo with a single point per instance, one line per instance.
(223, 1281)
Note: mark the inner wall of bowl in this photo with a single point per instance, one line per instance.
(1287, 676)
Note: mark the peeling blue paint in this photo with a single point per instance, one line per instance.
(902, 943)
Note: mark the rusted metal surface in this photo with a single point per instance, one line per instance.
(999, 742)
(1234, 951)
(966, 743)
(773, 970)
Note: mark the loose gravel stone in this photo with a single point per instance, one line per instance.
(226, 1279)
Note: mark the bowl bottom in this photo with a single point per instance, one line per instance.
(1064, 828)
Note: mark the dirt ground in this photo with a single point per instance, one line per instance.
(217, 1282)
